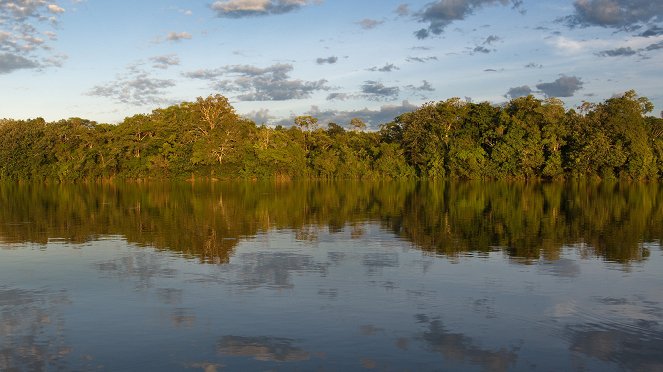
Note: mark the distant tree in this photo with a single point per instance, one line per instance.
(357, 124)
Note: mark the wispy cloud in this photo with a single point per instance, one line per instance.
(403, 10)
(178, 36)
(617, 52)
(328, 60)
(421, 59)
(165, 61)
(376, 91)
(251, 8)
(252, 83)
(424, 87)
(135, 87)
(388, 67)
(368, 24)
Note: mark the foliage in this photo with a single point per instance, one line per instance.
(527, 138)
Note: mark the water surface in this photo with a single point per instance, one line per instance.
(331, 276)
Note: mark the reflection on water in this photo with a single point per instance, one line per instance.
(31, 329)
(262, 348)
(340, 276)
(527, 221)
(459, 348)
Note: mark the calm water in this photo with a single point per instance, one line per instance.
(339, 276)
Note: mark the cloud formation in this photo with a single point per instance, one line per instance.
(136, 87)
(388, 67)
(424, 87)
(368, 24)
(439, 14)
(403, 10)
(533, 65)
(376, 91)
(615, 13)
(565, 86)
(373, 118)
(627, 51)
(22, 34)
(328, 60)
(252, 83)
(652, 31)
(480, 49)
(251, 8)
(516, 92)
(178, 36)
(421, 59)
(12, 62)
(165, 61)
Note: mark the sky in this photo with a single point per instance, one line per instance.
(333, 59)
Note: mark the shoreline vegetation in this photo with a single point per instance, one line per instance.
(527, 222)
(525, 139)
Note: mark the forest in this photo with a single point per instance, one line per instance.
(525, 138)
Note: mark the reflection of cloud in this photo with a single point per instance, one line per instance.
(206, 366)
(182, 318)
(631, 347)
(562, 267)
(170, 296)
(369, 330)
(458, 347)
(274, 269)
(263, 348)
(377, 261)
(141, 266)
(31, 327)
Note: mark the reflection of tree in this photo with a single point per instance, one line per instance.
(460, 348)
(207, 221)
(263, 348)
(532, 220)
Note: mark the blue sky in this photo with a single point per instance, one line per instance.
(334, 59)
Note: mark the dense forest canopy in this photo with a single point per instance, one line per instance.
(527, 138)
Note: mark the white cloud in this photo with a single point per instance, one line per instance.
(54, 8)
(568, 46)
(248, 8)
(177, 36)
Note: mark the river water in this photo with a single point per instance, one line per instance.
(331, 276)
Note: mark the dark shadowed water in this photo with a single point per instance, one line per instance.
(331, 276)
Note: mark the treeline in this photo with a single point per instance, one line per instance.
(527, 138)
